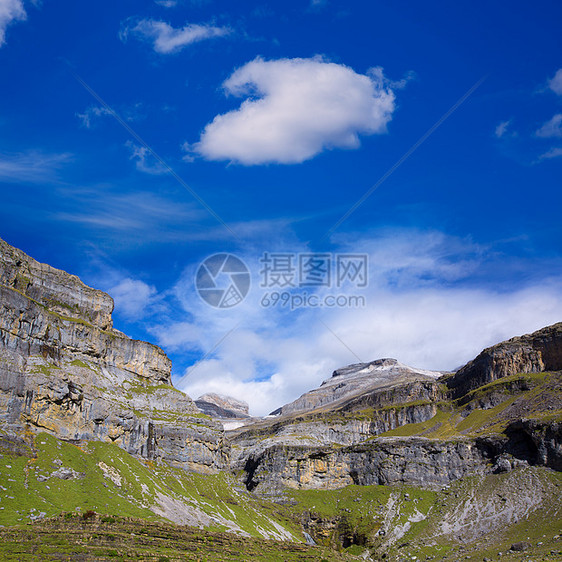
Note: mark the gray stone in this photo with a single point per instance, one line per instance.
(66, 371)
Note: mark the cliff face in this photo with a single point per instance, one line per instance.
(501, 411)
(417, 462)
(531, 353)
(64, 369)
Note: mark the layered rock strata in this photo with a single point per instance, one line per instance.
(531, 353)
(64, 369)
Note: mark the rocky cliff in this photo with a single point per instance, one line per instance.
(531, 353)
(384, 423)
(65, 370)
(355, 381)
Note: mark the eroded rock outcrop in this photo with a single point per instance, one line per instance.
(531, 353)
(419, 462)
(64, 369)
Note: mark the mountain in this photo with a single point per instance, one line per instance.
(101, 457)
(64, 369)
(354, 381)
(222, 407)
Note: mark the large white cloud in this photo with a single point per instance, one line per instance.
(10, 10)
(294, 109)
(167, 39)
(427, 305)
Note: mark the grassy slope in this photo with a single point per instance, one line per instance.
(452, 419)
(128, 488)
(473, 519)
(119, 539)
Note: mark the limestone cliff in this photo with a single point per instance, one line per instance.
(531, 353)
(64, 369)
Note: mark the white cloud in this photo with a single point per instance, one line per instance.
(132, 297)
(167, 39)
(132, 218)
(502, 127)
(294, 109)
(90, 113)
(425, 307)
(144, 160)
(555, 84)
(552, 153)
(32, 166)
(10, 11)
(552, 128)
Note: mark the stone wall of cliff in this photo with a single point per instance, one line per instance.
(531, 353)
(64, 369)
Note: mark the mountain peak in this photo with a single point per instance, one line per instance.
(349, 381)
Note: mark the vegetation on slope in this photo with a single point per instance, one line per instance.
(93, 538)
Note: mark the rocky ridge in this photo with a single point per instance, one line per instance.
(356, 380)
(64, 369)
(531, 353)
(414, 428)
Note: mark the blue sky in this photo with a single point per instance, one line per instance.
(139, 138)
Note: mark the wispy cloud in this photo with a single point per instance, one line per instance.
(552, 128)
(32, 166)
(294, 109)
(138, 218)
(166, 39)
(94, 112)
(502, 128)
(10, 11)
(555, 83)
(144, 160)
(90, 113)
(555, 152)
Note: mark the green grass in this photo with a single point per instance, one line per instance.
(354, 515)
(129, 488)
(465, 418)
(97, 539)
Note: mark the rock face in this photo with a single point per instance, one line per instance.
(354, 381)
(531, 353)
(418, 462)
(469, 423)
(64, 369)
(222, 407)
